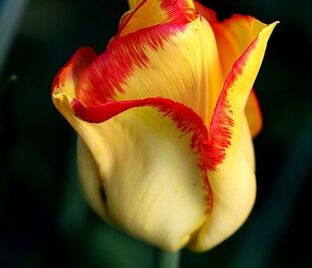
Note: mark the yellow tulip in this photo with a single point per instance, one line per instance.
(165, 118)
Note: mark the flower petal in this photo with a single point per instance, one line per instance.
(148, 13)
(137, 66)
(63, 90)
(233, 36)
(165, 138)
(92, 134)
(233, 182)
(153, 185)
(183, 117)
(66, 79)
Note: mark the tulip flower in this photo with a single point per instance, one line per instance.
(165, 118)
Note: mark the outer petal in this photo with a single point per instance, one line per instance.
(139, 66)
(63, 90)
(153, 187)
(233, 36)
(144, 163)
(233, 183)
(71, 72)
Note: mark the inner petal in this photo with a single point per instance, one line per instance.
(176, 62)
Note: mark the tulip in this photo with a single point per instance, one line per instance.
(165, 118)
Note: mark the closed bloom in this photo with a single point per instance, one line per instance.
(165, 118)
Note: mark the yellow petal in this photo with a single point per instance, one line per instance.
(90, 180)
(233, 182)
(234, 190)
(153, 186)
(144, 177)
(63, 92)
(193, 76)
(233, 36)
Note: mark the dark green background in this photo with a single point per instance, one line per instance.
(44, 221)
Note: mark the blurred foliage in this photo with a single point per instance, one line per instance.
(44, 220)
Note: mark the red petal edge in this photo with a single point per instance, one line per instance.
(222, 120)
(104, 78)
(185, 119)
(82, 58)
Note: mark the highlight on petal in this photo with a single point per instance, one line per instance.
(233, 182)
